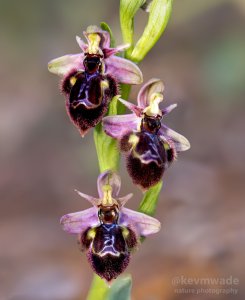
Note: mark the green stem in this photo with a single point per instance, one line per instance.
(106, 147)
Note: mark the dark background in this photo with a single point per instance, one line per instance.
(201, 59)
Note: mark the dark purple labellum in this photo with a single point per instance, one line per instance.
(88, 94)
(109, 249)
(108, 244)
(148, 159)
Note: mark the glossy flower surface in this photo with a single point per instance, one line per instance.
(90, 79)
(150, 146)
(108, 231)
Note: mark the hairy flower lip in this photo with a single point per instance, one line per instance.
(122, 69)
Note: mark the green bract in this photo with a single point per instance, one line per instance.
(128, 9)
(159, 13)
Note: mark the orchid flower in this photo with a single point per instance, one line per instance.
(108, 231)
(90, 78)
(150, 146)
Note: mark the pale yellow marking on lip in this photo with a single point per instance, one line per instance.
(73, 80)
(133, 139)
(91, 233)
(166, 146)
(125, 232)
(104, 84)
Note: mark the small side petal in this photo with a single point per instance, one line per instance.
(79, 221)
(143, 224)
(118, 126)
(124, 70)
(94, 201)
(81, 44)
(111, 51)
(124, 200)
(65, 64)
(134, 108)
(154, 85)
(109, 178)
(181, 143)
(168, 109)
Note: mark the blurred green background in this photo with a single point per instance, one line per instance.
(201, 59)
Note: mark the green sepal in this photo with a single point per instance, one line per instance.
(128, 9)
(106, 147)
(159, 13)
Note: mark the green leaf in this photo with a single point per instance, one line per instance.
(149, 203)
(128, 9)
(98, 289)
(106, 27)
(106, 147)
(159, 13)
(120, 289)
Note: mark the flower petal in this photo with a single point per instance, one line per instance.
(168, 109)
(143, 224)
(123, 200)
(154, 85)
(94, 201)
(64, 64)
(81, 44)
(124, 70)
(134, 108)
(79, 221)
(111, 51)
(118, 126)
(109, 178)
(180, 142)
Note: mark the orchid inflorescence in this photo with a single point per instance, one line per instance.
(109, 232)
